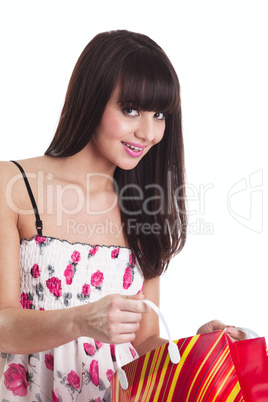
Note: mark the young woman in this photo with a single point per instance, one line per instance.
(88, 228)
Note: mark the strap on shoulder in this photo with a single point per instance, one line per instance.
(38, 222)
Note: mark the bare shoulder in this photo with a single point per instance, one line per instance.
(8, 169)
(11, 175)
(30, 164)
(13, 195)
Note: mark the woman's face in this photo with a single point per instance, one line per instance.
(124, 136)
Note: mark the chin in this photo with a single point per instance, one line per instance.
(128, 166)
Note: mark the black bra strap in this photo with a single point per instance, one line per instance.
(38, 222)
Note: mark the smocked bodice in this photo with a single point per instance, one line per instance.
(55, 273)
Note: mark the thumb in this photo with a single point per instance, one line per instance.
(138, 296)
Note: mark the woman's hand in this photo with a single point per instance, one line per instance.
(217, 325)
(114, 318)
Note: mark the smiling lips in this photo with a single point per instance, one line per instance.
(133, 149)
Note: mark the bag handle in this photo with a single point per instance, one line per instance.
(173, 350)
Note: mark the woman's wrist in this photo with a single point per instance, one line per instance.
(77, 321)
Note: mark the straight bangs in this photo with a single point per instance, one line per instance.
(147, 82)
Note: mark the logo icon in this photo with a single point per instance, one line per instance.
(245, 201)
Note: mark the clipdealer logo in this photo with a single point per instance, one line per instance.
(245, 201)
(244, 204)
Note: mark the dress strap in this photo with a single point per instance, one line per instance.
(38, 222)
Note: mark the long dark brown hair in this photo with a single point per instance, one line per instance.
(152, 207)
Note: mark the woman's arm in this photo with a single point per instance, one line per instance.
(113, 319)
(22, 331)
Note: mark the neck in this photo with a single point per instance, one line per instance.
(85, 166)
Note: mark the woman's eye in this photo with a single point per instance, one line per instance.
(130, 112)
(159, 116)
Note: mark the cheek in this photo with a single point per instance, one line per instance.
(160, 133)
(113, 125)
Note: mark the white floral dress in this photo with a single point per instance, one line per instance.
(56, 274)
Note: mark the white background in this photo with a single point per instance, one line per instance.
(219, 50)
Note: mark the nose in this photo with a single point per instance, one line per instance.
(145, 129)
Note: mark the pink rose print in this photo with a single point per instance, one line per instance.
(54, 286)
(16, 379)
(109, 374)
(73, 379)
(40, 239)
(76, 257)
(25, 301)
(127, 278)
(133, 352)
(69, 273)
(93, 251)
(97, 279)
(98, 344)
(98, 399)
(86, 289)
(132, 259)
(115, 253)
(55, 399)
(49, 361)
(94, 371)
(89, 349)
(35, 271)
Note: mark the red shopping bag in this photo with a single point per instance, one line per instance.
(212, 368)
(251, 364)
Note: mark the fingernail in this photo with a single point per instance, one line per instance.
(229, 331)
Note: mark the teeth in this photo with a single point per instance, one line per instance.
(136, 149)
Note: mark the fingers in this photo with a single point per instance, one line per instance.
(211, 326)
(114, 318)
(125, 338)
(130, 317)
(128, 328)
(122, 309)
(217, 325)
(235, 334)
(124, 314)
(134, 304)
